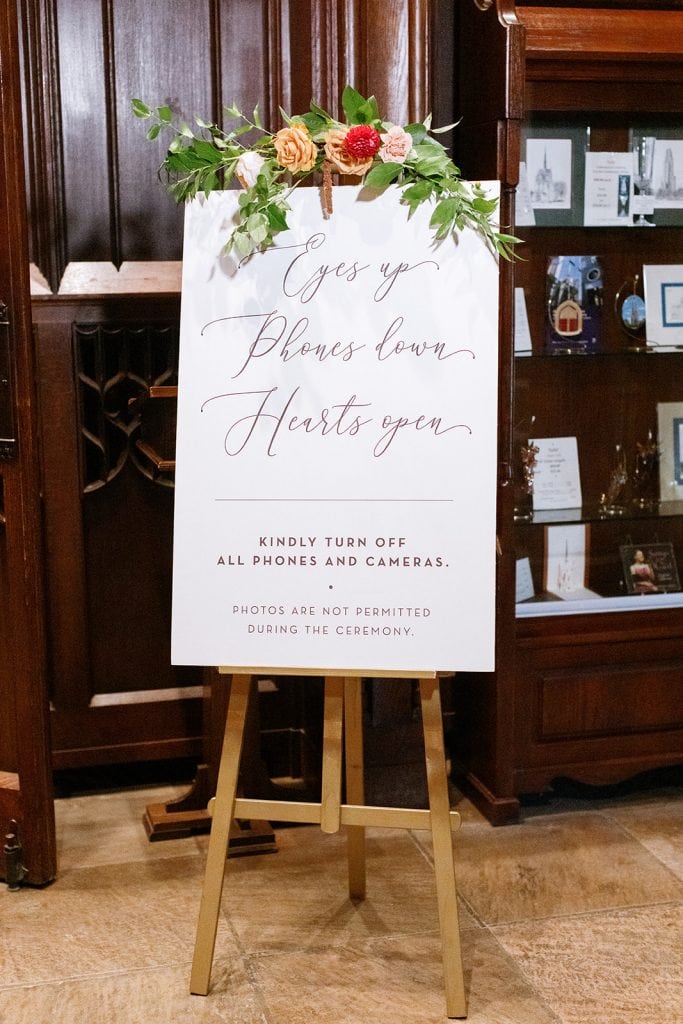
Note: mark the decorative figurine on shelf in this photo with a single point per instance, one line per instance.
(643, 161)
(612, 502)
(524, 479)
(629, 308)
(646, 475)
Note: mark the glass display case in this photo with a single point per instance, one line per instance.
(584, 130)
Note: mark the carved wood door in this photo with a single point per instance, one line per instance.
(26, 806)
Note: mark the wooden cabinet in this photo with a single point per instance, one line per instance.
(589, 689)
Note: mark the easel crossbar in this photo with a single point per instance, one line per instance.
(351, 814)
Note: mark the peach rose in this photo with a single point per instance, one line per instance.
(295, 148)
(396, 145)
(335, 151)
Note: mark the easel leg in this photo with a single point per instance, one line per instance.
(444, 865)
(355, 788)
(330, 810)
(220, 832)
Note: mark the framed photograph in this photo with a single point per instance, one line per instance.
(649, 568)
(664, 305)
(666, 186)
(554, 159)
(670, 441)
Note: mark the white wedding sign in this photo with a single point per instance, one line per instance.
(336, 449)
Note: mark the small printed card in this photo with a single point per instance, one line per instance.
(522, 333)
(557, 483)
(608, 195)
(566, 549)
(524, 589)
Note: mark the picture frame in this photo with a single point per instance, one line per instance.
(663, 286)
(650, 568)
(670, 443)
(555, 158)
(667, 176)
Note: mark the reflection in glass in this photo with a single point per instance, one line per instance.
(612, 502)
(646, 474)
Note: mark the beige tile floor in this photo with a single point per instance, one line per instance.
(573, 916)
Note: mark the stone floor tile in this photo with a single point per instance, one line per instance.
(552, 866)
(621, 967)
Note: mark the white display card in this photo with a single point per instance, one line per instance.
(565, 562)
(608, 193)
(524, 581)
(557, 482)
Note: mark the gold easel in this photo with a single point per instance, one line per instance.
(342, 733)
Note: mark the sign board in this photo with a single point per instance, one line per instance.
(336, 449)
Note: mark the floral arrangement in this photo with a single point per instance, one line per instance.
(363, 146)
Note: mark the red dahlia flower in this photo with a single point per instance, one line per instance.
(362, 141)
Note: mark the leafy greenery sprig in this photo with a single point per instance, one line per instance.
(271, 165)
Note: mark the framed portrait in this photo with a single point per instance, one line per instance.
(649, 568)
(670, 441)
(554, 159)
(664, 305)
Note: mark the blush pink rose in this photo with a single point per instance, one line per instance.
(396, 144)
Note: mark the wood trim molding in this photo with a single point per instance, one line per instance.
(43, 137)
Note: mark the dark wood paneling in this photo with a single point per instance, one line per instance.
(93, 185)
(108, 526)
(23, 689)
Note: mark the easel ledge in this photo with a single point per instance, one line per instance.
(346, 673)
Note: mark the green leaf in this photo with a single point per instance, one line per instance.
(242, 243)
(257, 226)
(256, 118)
(153, 132)
(444, 212)
(352, 102)
(382, 175)
(315, 109)
(430, 160)
(369, 112)
(314, 122)
(165, 114)
(140, 109)
(206, 151)
(418, 132)
(233, 111)
(416, 194)
(485, 206)
(276, 218)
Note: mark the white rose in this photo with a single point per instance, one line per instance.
(248, 167)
